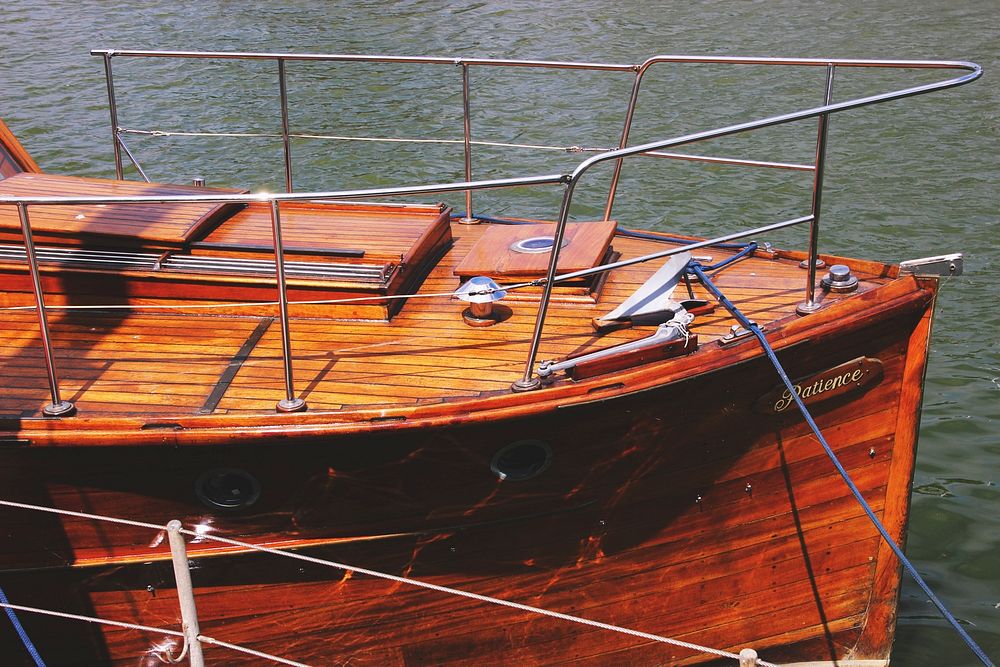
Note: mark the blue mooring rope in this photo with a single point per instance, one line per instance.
(16, 622)
(699, 271)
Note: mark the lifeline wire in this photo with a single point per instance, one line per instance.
(378, 575)
(147, 628)
(699, 271)
(745, 249)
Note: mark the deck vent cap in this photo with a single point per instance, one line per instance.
(481, 289)
(480, 292)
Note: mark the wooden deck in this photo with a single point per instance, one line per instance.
(140, 362)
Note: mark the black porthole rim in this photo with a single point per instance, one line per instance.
(246, 502)
(533, 472)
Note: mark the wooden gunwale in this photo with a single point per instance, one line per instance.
(17, 151)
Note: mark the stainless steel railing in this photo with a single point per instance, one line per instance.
(282, 58)
(569, 181)
(640, 70)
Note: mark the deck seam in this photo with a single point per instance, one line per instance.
(234, 366)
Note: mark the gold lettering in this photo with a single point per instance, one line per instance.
(786, 399)
(834, 381)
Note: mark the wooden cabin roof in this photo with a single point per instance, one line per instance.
(367, 232)
(132, 225)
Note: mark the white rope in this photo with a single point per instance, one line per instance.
(403, 580)
(84, 515)
(146, 628)
(92, 619)
(243, 649)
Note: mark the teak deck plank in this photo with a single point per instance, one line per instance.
(425, 353)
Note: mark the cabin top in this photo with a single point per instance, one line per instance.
(192, 252)
(133, 225)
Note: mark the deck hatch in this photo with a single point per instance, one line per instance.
(137, 225)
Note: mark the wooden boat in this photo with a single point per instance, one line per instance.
(669, 488)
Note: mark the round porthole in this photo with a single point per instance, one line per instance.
(227, 488)
(536, 244)
(522, 460)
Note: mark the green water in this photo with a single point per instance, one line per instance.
(909, 179)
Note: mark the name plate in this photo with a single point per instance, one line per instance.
(847, 378)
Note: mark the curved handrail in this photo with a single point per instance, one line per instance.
(975, 71)
(745, 60)
(266, 197)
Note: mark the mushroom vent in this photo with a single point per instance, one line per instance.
(480, 292)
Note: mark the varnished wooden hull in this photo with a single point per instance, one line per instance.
(676, 509)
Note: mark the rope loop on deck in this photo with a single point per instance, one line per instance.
(169, 659)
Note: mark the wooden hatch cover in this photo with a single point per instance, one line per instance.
(501, 251)
(116, 225)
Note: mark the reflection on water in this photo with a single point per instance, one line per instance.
(916, 178)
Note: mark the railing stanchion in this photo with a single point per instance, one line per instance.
(185, 594)
(527, 381)
(290, 403)
(468, 218)
(748, 657)
(58, 407)
(109, 79)
(810, 305)
(629, 114)
(283, 90)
